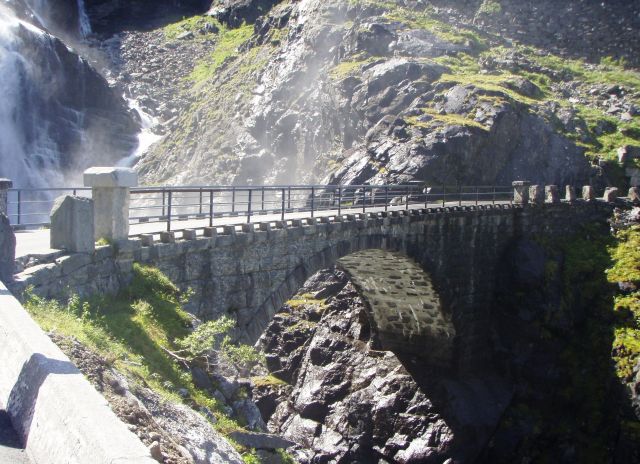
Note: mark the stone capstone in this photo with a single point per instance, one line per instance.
(588, 193)
(611, 194)
(110, 177)
(552, 194)
(72, 224)
(521, 192)
(536, 194)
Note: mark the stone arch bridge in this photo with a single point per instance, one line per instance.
(432, 280)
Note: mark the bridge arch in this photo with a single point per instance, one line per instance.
(406, 310)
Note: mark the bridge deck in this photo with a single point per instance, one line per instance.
(36, 242)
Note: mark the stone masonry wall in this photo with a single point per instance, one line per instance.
(249, 274)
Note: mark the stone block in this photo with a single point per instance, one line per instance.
(7, 249)
(147, 240)
(189, 234)
(110, 177)
(634, 194)
(167, 237)
(570, 193)
(521, 192)
(551, 194)
(588, 193)
(72, 225)
(210, 232)
(610, 195)
(229, 230)
(536, 194)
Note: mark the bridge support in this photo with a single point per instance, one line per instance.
(5, 185)
(111, 191)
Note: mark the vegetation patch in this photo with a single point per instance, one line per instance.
(139, 332)
(436, 119)
(194, 24)
(229, 41)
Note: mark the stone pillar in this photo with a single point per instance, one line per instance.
(7, 250)
(536, 194)
(570, 193)
(588, 193)
(521, 192)
(72, 225)
(5, 185)
(610, 195)
(634, 194)
(111, 191)
(551, 194)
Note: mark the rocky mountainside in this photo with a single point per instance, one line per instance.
(370, 91)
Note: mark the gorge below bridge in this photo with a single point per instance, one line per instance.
(427, 274)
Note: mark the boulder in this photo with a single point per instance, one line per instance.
(7, 249)
(72, 224)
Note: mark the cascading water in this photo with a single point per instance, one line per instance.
(84, 25)
(58, 116)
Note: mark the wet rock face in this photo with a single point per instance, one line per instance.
(346, 92)
(109, 16)
(348, 402)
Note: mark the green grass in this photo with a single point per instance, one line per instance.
(131, 330)
(490, 7)
(443, 119)
(306, 299)
(349, 68)
(193, 24)
(626, 268)
(268, 380)
(226, 48)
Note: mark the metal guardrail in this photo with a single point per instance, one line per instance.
(29, 208)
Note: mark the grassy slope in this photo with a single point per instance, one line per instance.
(466, 70)
(130, 331)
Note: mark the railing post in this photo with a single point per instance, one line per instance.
(5, 185)
(313, 199)
(289, 200)
(339, 200)
(406, 206)
(262, 209)
(494, 194)
(164, 203)
(233, 199)
(200, 211)
(426, 197)
(210, 208)
(169, 211)
(459, 195)
(364, 199)
(444, 195)
(249, 207)
(386, 197)
(283, 200)
(477, 195)
(19, 206)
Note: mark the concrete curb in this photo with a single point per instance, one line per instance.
(60, 417)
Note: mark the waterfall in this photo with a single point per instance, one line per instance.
(84, 25)
(58, 116)
(18, 129)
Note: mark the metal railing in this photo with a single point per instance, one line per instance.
(29, 208)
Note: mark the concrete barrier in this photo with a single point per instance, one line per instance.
(60, 417)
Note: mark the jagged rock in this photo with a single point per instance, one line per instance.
(260, 440)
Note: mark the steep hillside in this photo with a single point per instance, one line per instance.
(374, 91)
